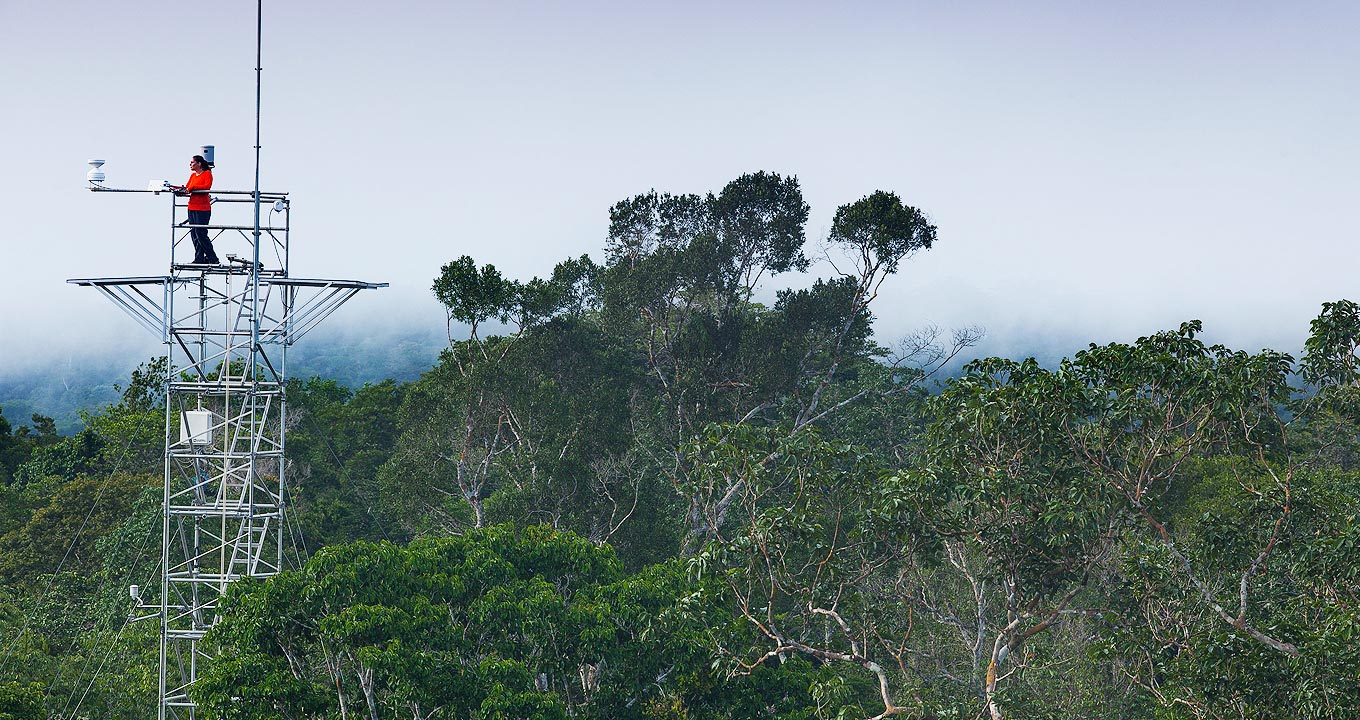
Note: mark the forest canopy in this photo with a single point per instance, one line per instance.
(660, 484)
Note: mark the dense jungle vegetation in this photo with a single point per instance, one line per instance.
(629, 490)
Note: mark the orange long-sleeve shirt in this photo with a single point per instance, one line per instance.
(198, 185)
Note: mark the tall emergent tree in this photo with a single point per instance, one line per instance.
(579, 413)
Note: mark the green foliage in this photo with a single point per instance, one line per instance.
(882, 229)
(63, 458)
(1177, 650)
(336, 446)
(13, 451)
(806, 556)
(80, 627)
(126, 437)
(1329, 358)
(724, 242)
(20, 701)
(498, 623)
(474, 296)
(63, 530)
(1331, 432)
(147, 386)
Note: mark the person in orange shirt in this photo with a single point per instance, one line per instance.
(200, 209)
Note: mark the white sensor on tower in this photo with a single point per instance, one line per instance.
(95, 175)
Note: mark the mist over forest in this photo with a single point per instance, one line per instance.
(65, 382)
(61, 387)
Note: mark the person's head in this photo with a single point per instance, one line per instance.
(198, 164)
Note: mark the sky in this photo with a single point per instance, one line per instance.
(1097, 171)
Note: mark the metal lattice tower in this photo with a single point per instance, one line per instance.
(227, 330)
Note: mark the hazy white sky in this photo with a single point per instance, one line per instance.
(1097, 170)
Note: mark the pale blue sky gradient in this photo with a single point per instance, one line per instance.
(1096, 172)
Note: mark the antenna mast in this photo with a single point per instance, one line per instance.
(226, 329)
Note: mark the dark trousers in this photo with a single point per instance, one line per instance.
(203, 249)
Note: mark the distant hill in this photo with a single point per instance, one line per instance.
(64, 386)
(357, 357)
